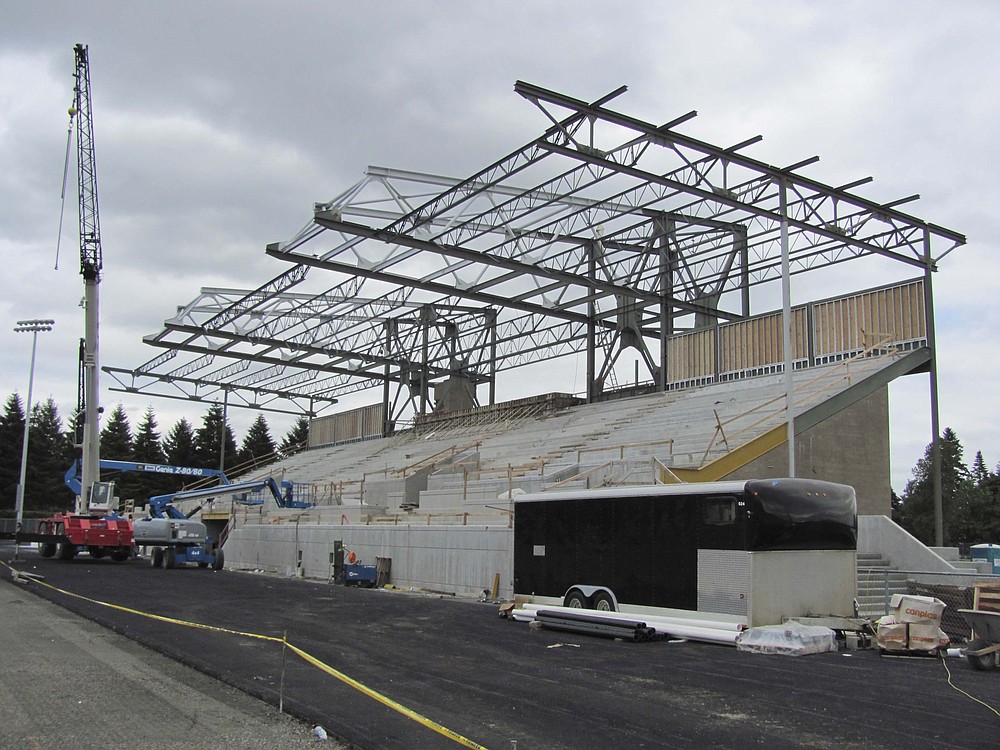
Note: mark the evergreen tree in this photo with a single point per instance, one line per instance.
(979, 471)
(968, 519)
(896, 506)
(116, 445)
(208, 441)
(11, 440)
(50, 454)
(178, 445)
(989, 521)
(258, 446)
(146, 449)
(116, 437)
(297, 437)
(146, 446)
(958, 503)
(74, 428)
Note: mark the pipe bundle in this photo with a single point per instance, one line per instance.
(692, 629)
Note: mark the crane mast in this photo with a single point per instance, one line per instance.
(91, 263)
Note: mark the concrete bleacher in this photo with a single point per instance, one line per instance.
(437, 499)
(467, 464)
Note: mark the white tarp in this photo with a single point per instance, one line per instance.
(789, 639)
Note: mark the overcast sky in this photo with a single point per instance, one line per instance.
(218, 125)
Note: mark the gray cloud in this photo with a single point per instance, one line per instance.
(219, 124)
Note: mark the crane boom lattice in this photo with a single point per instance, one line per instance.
(91, 263)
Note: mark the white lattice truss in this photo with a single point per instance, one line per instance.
(604, 233)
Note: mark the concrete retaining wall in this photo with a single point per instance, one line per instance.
(456, 559)
(463, 559)
(850, 447)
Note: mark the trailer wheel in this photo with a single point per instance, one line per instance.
(48, 549)
(96, 552)
(220, 560)
(156, 557)
(604, 602)
(576, 600)
(67, 551)
(120, 554)
(169, 558)
(982, 663)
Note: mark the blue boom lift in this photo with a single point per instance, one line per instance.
(285, 498)
(73, 474)
(176, 539)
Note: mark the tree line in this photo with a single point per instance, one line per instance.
(970, 498)
(52, 449)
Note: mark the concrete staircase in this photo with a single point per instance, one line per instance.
(877, 582)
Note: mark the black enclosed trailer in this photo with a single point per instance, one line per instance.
(755, 551)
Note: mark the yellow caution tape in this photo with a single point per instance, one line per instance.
(429, 723)
(360, 687)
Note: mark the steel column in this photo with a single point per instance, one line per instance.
(786, 328)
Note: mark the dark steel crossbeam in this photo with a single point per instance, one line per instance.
(306, 350)
(499, 170)
(605, 288)
(439, 288)
(260, 295)
(609, 232)
(664, 135)
(208, 382)
(752, 208)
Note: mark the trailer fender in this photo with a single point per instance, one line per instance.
(591, 597)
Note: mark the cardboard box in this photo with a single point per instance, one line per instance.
(892, 635)
(926, 637)
(920, 609)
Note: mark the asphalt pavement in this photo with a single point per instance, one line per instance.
(410, 670)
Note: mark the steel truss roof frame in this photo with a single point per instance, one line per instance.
(605, 233)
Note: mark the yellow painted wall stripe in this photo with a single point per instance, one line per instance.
(360, 687)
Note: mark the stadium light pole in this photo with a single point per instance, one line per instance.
(33, 327)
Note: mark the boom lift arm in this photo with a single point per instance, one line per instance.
(72, 477)
(176, 538)
(283, 494)
(161, 506)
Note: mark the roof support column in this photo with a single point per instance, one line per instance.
(491, 323)
(664, 231)
(426, 318)
(935, 416)
(389, 325)
(592, 388)
(786, 327)
(743, 251)
(222, 430)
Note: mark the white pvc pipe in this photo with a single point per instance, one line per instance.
(662, 626)
(648, 619)
(708, 635)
